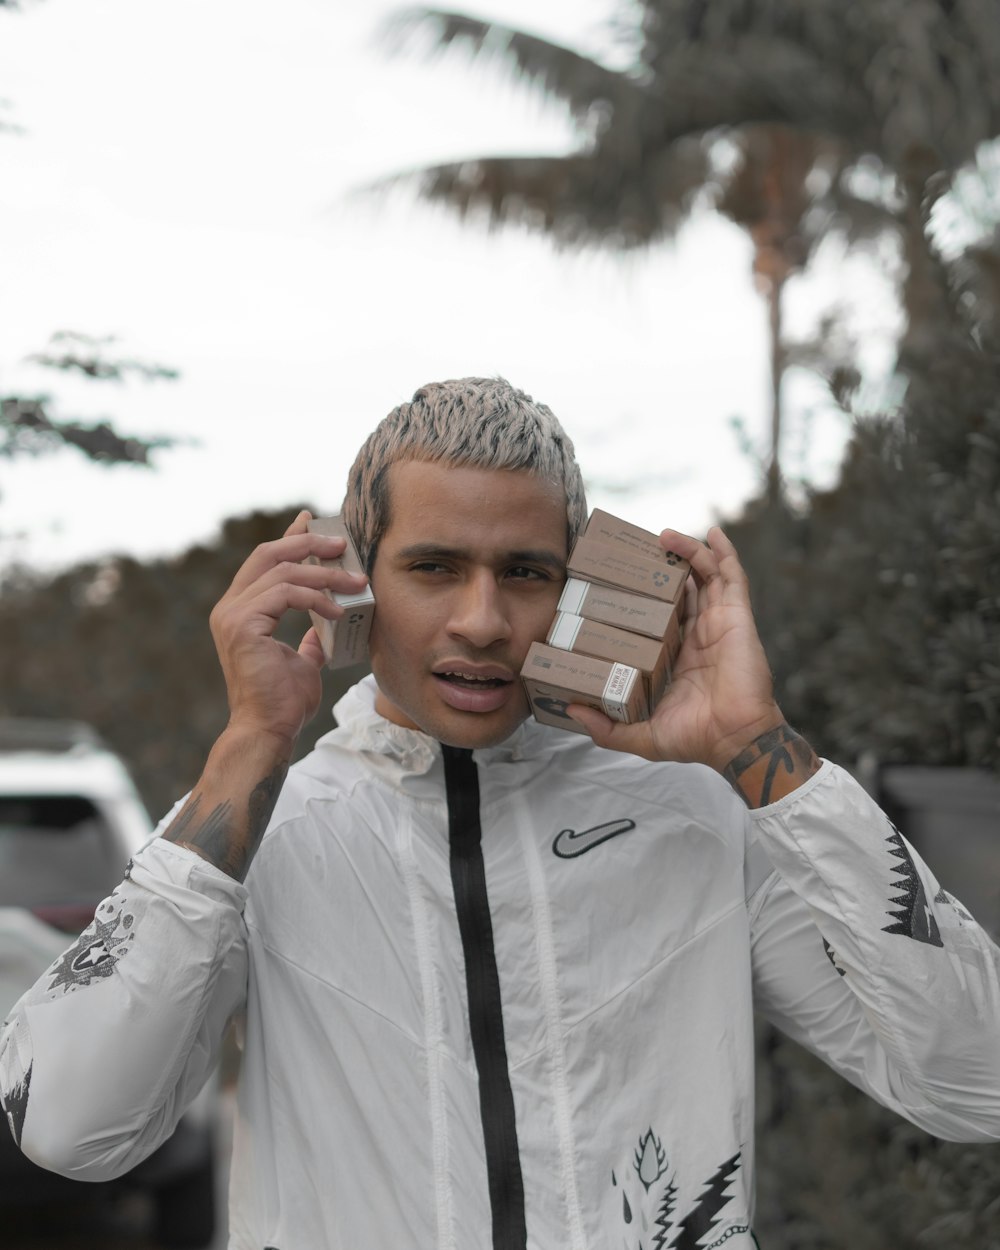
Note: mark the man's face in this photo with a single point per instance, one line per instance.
(466, 577)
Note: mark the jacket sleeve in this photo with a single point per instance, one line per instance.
(99, 1059)
(859, 955)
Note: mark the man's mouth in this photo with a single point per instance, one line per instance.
(471, 682)
(469, 690)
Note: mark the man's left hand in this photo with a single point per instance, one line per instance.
(720, 704)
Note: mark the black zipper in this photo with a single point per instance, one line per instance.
(496, 1098)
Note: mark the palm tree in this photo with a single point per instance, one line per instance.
(771, 193)
(877, 103)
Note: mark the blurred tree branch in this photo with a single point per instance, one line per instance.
(84, 354)
(28, 428)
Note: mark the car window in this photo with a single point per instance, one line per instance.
(55, 849)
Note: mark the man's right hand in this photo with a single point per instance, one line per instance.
(273, 691)
(272, 688)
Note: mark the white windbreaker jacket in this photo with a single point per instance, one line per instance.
(503, 999)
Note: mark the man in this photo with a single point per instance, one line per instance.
(496, 980)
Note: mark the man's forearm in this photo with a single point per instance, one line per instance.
(773, 765)
(224, 819)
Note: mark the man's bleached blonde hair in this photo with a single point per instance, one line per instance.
(484, 423)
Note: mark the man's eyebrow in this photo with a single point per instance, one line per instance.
(539, 555)
(437, 551)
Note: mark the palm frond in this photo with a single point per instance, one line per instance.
(557, 71)
(576, 200)
(759, 82)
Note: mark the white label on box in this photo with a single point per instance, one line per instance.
(564, 631)
(617, 689)
(573, 595)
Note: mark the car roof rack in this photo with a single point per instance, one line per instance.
(38, 734)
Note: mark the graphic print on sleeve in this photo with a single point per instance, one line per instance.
(97, 950)
(963, 917)
(833, 957)
(913, 915)
(15, 1103)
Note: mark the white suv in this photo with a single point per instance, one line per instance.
(70, 819)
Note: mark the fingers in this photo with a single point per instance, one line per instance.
(300, 524)
(689, 611)
(277, 577)
(683, 544)
(614, 736)
(274, 601)
(715, 565)
(305, 577)
(726, 555)
(296, 545)
(259, 609)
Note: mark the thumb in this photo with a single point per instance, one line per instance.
(311, 649)
(595, 723)
(612, 734)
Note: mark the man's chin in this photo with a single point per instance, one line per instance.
(476, 730)
(469, 730)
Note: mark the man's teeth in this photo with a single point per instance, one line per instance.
(484, 681)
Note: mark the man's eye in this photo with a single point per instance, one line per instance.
(523, 572)
(428, 566)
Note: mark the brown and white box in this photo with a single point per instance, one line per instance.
(554, 679)
(617, 553)
(603, 527)
(344, 641)
(654, 660)
(637, 613)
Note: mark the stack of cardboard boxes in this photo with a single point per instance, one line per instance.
(617, 629)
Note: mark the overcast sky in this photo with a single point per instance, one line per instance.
(184, 181)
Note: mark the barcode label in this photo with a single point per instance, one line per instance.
(617, 690)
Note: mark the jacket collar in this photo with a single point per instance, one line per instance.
(361, 728)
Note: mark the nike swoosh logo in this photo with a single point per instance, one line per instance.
(569, 843)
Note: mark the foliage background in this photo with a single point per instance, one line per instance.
(125, 646)
(879, 602)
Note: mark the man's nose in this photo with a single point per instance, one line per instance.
(479, 614)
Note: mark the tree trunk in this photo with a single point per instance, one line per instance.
(775, 291)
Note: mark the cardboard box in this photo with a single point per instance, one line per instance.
(602, 527)
(638, 613)
(616, 564)
(653, 659)
(344, 641)
(553, 679)
(616, 553)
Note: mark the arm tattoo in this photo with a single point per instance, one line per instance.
(771, 766)
(220, 837)
(263, 798)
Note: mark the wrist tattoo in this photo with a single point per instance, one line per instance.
(771, 766)
(219, 837)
